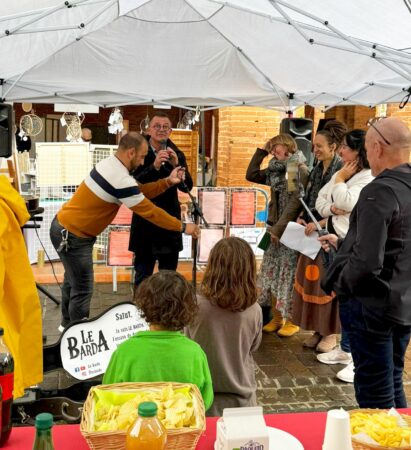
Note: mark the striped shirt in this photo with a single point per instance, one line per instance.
(98, 198)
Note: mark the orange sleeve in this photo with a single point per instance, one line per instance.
(151, 190)
(156, 215)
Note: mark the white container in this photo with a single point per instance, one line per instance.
(242, 429)
(337, 431)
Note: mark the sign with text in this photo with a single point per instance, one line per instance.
(118, 253)
(243, 207)
(86, 347)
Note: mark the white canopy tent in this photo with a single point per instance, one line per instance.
(273, 53)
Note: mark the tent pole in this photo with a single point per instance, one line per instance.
(203, 152)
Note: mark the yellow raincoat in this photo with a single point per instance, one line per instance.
(20, 314)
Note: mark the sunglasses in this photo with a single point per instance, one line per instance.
(371, 123)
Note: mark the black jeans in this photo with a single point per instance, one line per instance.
(77, 288)
(144, 265)
(378, 348)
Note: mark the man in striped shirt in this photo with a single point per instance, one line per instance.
(93, 206)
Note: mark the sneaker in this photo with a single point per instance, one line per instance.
(327, 343)
(347, 374)
(336, 356)
(61, 328)
(313, 340)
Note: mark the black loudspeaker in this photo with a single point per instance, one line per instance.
(6, 130)
(302, 131)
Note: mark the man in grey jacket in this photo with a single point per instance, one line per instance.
(372, 268)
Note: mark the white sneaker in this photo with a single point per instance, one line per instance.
(336, 356)
(347, 374)
(61, 328)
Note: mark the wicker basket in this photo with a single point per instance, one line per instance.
(179, 439)
(357, 445)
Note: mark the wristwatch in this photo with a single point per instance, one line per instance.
(183, 229)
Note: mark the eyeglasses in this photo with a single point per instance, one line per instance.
(375, 120)
(159, 127)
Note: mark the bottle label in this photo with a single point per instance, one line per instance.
(7, 384)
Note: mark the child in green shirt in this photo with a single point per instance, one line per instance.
(168, 303)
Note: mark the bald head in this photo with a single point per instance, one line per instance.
(382, 156)
(86, 134)
(397, 133)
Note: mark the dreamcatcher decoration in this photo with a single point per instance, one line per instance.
(189, 119)
(115, 122)
(30, 125)
(144, 124)
(73, 123)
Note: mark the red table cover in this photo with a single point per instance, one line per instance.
(308, 428)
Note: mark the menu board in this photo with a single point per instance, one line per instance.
(243, 207)
(118, 253)
(213, 206)
(123, 216)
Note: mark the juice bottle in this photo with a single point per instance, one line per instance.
(44, 439)
(7, 385)
(147, 432)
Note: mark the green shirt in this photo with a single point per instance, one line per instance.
(161, 356)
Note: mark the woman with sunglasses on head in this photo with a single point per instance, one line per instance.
(276, 277)
(336, 200)
(313, 309)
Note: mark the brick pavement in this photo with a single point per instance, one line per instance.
(290, 379)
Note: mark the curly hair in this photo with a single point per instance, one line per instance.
(334, 132)
(230, 277)
(355, 139)
(167, 299)
(283, 139)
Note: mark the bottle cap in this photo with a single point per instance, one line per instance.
(147, 409)
(44, 421)
(1, 331)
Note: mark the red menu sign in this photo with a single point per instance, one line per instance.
(243, 208)
(123, 216)
(118, 253)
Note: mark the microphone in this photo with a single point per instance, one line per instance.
(163, 143)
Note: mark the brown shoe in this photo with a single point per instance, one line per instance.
(327, 343)
(313, 340)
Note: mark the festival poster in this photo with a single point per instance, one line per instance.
(213, 206)
(243, 207)
(118, 253)
(123, 216)
(209, 237)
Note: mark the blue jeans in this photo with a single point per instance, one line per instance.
(77, 288)
(345, 338)
(378, 348)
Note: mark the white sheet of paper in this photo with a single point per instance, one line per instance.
(294, 237)
(213, 206)
(251, 235)
(209, 237)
